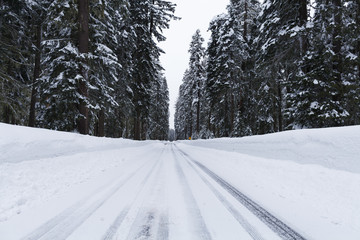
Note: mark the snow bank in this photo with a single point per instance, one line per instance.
(18, 144)
(335, 148)
(318, 202)
(37, 165)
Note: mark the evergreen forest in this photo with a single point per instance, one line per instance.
(86, 66)
(270, 67)
(93, 67)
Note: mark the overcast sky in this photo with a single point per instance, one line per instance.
(195, 14)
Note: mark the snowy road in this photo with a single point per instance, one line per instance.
(165, 194)
(292, 185)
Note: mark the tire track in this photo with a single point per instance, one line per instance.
(236, 214)
(279, 227)
(203, 231)
(163, 230)
(65, 223)
(149, 219)
(111, 232)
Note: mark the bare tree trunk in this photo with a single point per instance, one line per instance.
(101, 124)
(337, 33)
(126, 128)
(191, 122)
(198, 111)
(280, 114)
(36, 75)
(83, 48)
(7, 114)
(232, 113)
(137, 125)
(226, 117)
(303, 18)
(245, 21)
(337, 64)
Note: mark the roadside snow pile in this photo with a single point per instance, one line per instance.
(309, 178)
(18, 144)
(320, 202)
(335, 148)
(37, 165)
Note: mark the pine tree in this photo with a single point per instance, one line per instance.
(281, 44)
(223, 74)
(119, 119)
(85, 66)
(149, 18)
(351, 61)
(197, 75)
(321, 94)
(37, 10)
(229, 67)
(184, 123)
(58, 84)
(244, 14)
(159, 110)
(104, 62)
(15, 61)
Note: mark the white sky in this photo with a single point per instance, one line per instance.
(195, 14)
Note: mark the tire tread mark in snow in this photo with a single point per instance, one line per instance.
(283, 230)
(236, 214)
(190, 200)
(62, 225)
(163, 231)
(149, 217)
(110, 233)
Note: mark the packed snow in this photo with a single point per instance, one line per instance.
(56, 185)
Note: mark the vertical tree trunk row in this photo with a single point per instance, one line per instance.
(303, 18)
(83, 49)
(36, 75)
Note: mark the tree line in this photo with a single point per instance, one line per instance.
(86, 66)
(280, 65)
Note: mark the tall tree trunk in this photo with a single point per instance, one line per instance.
(7, 114)
(245, 21)
(337, 38)
(232, 113)
(191, 122)
(101, 123)
(83, 48)
(151, 26)
(143, 130)
(137, 125)
(303, 18)
(126, 128)
(198, 111)
(36, 75)
(226, 127)
(280, 113)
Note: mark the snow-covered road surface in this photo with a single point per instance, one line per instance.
(57, 185)
(163, 195)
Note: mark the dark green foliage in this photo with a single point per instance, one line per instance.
(15, 49)
(104, 84)
(191, 103)
(226, 92)
(327, 90)
(279, 68)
